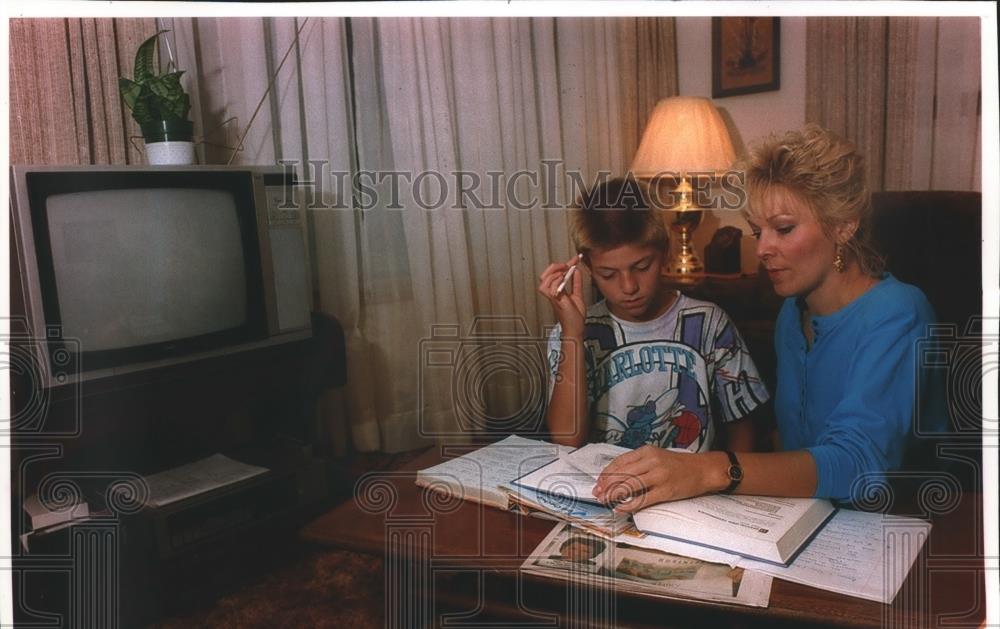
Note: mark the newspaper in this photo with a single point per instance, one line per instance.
(571, 554)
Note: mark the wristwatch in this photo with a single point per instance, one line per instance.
(735, 473)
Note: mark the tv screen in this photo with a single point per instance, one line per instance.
(167, 263)
(142, 266)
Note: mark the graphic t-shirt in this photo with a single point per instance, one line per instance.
(662, 382)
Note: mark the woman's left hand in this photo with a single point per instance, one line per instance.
(650, 475)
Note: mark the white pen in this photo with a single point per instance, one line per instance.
(569, 274)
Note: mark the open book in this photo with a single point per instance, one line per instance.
(479, 475)
(565, 492)
(762, 528)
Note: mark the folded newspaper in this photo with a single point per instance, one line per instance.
(571, 554)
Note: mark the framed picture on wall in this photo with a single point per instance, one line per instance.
(746, 55)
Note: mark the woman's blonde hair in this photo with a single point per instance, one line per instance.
(827, 172)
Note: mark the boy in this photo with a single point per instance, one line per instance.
(646, 366)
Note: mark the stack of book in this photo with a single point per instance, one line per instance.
(802, 540)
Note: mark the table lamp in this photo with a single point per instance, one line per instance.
(685, 137)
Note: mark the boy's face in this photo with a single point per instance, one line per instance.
(629, 278)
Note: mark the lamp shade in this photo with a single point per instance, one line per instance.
(684, 134)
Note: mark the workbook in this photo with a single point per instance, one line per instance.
(479, 475)
(762, 528)
(866, 555)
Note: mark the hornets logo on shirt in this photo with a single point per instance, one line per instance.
(659, 382)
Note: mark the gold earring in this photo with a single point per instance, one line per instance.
(838, 260)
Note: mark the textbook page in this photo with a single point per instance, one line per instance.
(576, 472)
(592, 458)
(761, 527)
(759, 517)
(635, 537)
(478, 475)
(561, 479)
(866, 555)
(597, 518)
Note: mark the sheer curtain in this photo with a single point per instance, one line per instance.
(912, 108)
(435, 287)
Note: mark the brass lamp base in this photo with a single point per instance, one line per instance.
(683, 260)
(682, 218)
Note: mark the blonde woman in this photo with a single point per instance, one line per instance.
(845, 398)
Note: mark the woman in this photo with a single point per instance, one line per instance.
(844, 338)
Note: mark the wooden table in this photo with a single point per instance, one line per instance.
(455, 563)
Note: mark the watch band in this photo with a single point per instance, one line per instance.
(735, 473)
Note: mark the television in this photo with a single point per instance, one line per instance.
(123, 269)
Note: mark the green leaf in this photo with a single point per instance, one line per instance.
(144, 61)
(152, 97)
(143, 112)
(181, 107)
(164, 89)
(129, 91)
(167, 85)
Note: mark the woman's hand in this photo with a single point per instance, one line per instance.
(650, 475)
(567, 304)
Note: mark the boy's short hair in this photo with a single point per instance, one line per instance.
(617, 212)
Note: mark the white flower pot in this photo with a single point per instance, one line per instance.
(170, 153)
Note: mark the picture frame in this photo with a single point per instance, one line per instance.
(746, 55)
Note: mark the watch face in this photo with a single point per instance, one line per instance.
(735, 473)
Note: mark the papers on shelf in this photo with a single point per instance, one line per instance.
(196, 478)
(42, 516)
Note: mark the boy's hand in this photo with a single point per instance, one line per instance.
(650, 475)
(567, 304)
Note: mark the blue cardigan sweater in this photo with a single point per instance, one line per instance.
(851, 399)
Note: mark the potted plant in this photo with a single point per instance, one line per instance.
(160, 105)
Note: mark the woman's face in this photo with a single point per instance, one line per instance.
(791, 244)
